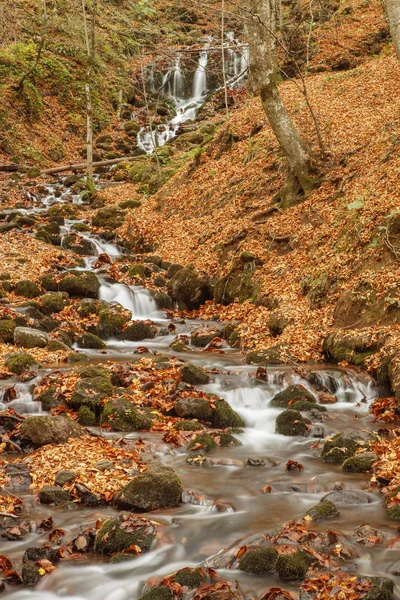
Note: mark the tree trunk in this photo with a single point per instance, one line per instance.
(393, 17)
(260, 29)
(90, 49)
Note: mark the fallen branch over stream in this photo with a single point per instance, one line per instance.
(12, 168)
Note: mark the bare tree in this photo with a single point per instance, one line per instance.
(393, 17)
(90, 39)
(261, 34)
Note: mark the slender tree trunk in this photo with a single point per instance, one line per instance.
(91, 52)
(223, 57)
(260, 29)
(393, 17)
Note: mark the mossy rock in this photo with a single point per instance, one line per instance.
(304, 406)
(53, 302)
(201, 337)
(110, 216)
(111, 321)
(151, 490)
(163, 300)
(90, 392)
(87, 307)
(48, 398)
(354, 348)
(269, 356)
(138, 270)
(224, 416)
(18, 362)
(237, 285)
(31, 574)
(27, 337)
(27, 289)
(158, 593)
(122, 532)
(197, 408)
(64, 477)
(138, 331)
(179, 346)
(93, 371)
(80, 227)
(54, 494)
(259, 561)
(64, 210)
(293, 393)
(160, 281)
(121, 415)
(382, 589)
(190, 578)
(344, 445)
(90, 341)
(44, 429)
(321, 511)
(291, 422)
(194, 375)
(153, 259)
(292, 567)
(43, 236)
(190, 287)
(76, 357)
(81, 284)
(227, 439)
(87, 417)
(360, 462)
(79, 245)
(130, 204)
(173, 269)
(49, 283)
(188, 426)
(7, 331)
(205, 441)
(56, 345)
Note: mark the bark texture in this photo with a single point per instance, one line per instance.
(393, 17)
(260, 30)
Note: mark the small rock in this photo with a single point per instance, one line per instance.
(53, 494)
(347, 497)
(64, 477)
(151, 490)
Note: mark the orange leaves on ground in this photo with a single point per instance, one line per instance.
(340, 586)
(81, 455)
(10, 504)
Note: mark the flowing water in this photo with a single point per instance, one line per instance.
(221, 504)
(188, 99)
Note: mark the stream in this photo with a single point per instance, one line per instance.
(231, 505)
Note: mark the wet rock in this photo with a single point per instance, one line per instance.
(105, 465)
(310, 407)
(344, 445)
(90, 392)
(382, 589)
(321, 511)
(30, 574)
(18, 362)
(27, 288)
(53, 494)
(196, 408)
(121, 415)
(88, 306)
(347, 497)
(269, 356)
(190, 288)
(291, 422)
(39, 553)
(110, 216)
(294, 393)
(87, 497)
(369, 536)
(224, 416)
(87, 417)
(194, 375)
(190, 578)
(91, 341)
(201, 336)
(258, 561)
(163, 300)
(56, 345)
(64, 477)
(360, 462)
(138, 331)
(158, 593)
(292, 567)
(203, 442)
(27, 337)
(79, 245)
(44, 429)
(277, 323)
(255, 462)
(112, 319)
(151, 490)
(173, 269)
(7, 331)
(123, 531)
(188, 426)
(81, 284)
(227, 440)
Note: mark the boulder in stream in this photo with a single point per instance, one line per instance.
(27, 337)
(7, 331)
(121, 415)
(294, 393)
(122, 532)
(91, 341)
(360, 462)
(151, 490)
(190, 288)
(53, 302)
(291, 422)
(81, 284)
(195, 408)
(54, 494)
(194, 375)
(31, 574)
(224, 416)
(258, 561)
(321, 511)
(19, 362)
(45, 429)
(293, 567)
(347, 497)
(138, 331)
(343, 445)
(90, 392)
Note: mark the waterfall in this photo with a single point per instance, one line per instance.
(200, 78)
(138, 301)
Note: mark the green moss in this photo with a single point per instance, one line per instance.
(179, 346)
(83, 284)
(226, 440)
(236, 285)
(121, 557)
(90, 392)
(137, 331)
(76, 357)
(113, 536)
(89, 340)
(224, 416)
(158, 593)
(151, 490)
(322, 510)
(110, 216)
(382, 589)
(86, 417)
(270, 356)
(195, 408)
(293, 393)
(193, 374)
(30, 574)
(360, 462)
(27, 288)
(48, 398)
(188, 426)
(80, 227)
(53, 494)
(7, 331)
(290, 422)
(307, 406)
(344, 445)
(49, 283)
(53, 302)
(130, 204)
(111, 321)
(162, 299)
(206, 442)
(43, 236)
(258, 561)
(18, 362)
(190, 578)
(292, 567)
(136, 270)
(122, 416)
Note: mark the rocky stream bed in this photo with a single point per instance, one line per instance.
(141, 458)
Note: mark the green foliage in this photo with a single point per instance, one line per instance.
(143, 10)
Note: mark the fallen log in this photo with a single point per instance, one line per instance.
(70, 167)
(12, 168)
